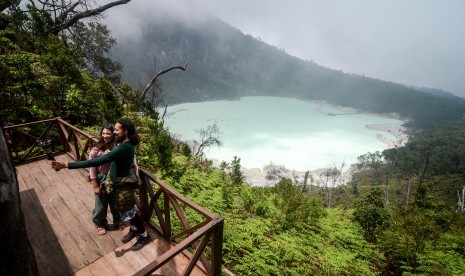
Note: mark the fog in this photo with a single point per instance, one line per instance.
(416, 42)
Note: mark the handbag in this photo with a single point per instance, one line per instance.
(122, 191)
(123, 182)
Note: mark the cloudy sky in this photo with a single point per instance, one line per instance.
(414, 42)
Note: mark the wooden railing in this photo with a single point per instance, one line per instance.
(199, 235)
(29, 142)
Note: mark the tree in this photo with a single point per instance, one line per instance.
(90, 44)
(411, 230)
(20, 259)
(329, 177)
(296, 208)
(89, 41)
(112, 107)
(43, 75)
(5, 4)
(34, 75)
(372, 161)
(371, 214)
(275, 172)
(236, 173)
(65, 14)
(208, 137)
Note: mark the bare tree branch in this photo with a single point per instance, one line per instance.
(64, 14)
(154, 78)
(61, 23)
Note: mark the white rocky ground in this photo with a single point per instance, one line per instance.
(256, 176)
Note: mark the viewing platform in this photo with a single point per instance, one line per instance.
(57, 208)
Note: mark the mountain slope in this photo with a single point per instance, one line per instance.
(226, 64)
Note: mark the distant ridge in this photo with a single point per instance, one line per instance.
(226, 64)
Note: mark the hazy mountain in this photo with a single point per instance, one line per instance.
(225, 64)
(437, 92)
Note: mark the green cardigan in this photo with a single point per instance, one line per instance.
(121, 158)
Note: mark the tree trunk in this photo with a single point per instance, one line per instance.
(304, 188)
(408, 191)
(460, 200)
(330, 194)
(387, 194)
(18, 256)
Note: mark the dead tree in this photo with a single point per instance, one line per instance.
(155, 77)
(208, 137)
(329, 176)
(460, 200)
(407, 193)
(304, 188)
(18, 256)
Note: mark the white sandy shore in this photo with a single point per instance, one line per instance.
(256, 177)
(399, 133)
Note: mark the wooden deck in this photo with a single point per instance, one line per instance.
(57, 209)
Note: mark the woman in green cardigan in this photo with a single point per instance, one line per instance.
(121, 158)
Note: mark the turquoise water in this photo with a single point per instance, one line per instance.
(299, 135)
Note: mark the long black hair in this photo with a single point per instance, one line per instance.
(133, 136)
(101, 144)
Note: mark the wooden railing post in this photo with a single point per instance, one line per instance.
(217, 247)
(166, 212)
(143, 198)
(63, 134)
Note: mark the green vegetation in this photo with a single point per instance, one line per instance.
(396, 217)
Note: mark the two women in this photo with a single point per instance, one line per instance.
(121, 158)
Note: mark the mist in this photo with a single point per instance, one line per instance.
(415, 43)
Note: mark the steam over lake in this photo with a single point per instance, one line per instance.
(299, 135)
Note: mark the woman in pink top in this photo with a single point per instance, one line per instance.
(96, 175)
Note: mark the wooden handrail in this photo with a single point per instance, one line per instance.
(159, 207)
(25, 148)
(210, 229)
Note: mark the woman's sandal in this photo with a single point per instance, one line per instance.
(101, 230)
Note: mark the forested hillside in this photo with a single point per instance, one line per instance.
(402, 213)
(226, 64)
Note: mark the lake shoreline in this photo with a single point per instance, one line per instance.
(256, 177)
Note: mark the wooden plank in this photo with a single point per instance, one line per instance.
(135, 258)
(99, 268)
(82, 213)
(82, 187)
(64, 224)
(124, 261)
(119, 264)
(178, 263)
(152, 252)
(53, 245)
(55, 189)
(34, 221)
(86, 272)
